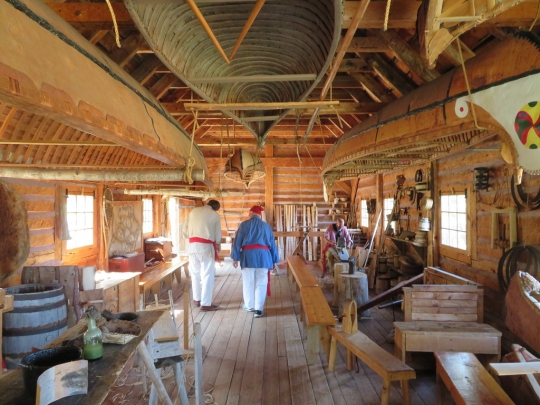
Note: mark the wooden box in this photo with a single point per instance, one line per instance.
(159, 249)
(133, 264)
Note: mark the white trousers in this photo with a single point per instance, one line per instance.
(254, 282)
(202, 269)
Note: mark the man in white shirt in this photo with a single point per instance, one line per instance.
(203, 228)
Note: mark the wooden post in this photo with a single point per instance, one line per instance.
(199, 393)
(269, 188)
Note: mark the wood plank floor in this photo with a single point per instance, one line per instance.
(262, 361)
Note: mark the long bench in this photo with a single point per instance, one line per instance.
(388, 367)
(461, 377)
(316, 313)
(299, 273)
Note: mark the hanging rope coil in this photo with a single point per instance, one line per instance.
(190, 162)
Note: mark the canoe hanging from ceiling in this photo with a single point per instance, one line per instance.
(439, 118)
(47, 68)
(285, 53)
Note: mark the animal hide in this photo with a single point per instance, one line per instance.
(14, 235)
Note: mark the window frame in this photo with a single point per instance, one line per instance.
(151, 232)
(363, 207)
(462, 255)
(68, 254)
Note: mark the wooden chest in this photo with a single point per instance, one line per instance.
(159, 249)
(133, 264)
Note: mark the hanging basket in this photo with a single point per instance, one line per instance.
(244, 168)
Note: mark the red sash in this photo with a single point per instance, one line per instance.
(209, 242)
(255, 246)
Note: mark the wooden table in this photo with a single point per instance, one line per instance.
(426, 336)
(102, 373)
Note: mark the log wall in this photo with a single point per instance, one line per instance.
(455, 173)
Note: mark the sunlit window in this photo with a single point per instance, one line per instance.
(148, 225)
(364, 217)
(454, 221)
(80, 219)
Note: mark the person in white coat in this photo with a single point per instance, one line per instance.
(203, 228)
(255, 249)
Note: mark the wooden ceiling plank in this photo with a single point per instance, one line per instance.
(31, 151)
(7, 121)
(59, 151)
(52, 133)
(357, 64)
(28, 134)
(408, 55)
(76, 149)
(8, 153)
(389, 74)
(93, 15)
(163, 85)
(147, 69)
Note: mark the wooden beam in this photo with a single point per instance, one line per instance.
(89, 167)
(408, 55)
(215, 142)
(98, 175)
(367, 45)
(163, 85)
(344, 186)
(147, 69)
(452, 52)
(402, 14)
(357, 64)
(278, 162)
(258, 106)
(255, 78)
(93, 15)
(128, 50)
(55, 143)
(375, 90)
(389, 74)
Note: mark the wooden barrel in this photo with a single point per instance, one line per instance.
(39, 316)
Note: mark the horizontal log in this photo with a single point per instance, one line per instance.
(99, 175)
(276, 162)
(185, 193)
(254, 78)
(258, 106)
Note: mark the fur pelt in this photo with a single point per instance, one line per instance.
(14, 235)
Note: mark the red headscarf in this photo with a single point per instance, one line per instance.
(257, 209)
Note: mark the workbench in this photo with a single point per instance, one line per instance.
(102, 373)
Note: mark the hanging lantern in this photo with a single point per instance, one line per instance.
(244, 168)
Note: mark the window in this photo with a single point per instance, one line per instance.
(148, 224)
(364, 217)
(454, 221)
(388, 208)
(80, 220)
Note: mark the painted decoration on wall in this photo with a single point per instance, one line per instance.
(126, 227)
(514, 105)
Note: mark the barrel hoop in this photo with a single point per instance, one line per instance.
(38, 308)
(43, 294)
(34, 331)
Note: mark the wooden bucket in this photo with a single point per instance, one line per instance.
(39, 316)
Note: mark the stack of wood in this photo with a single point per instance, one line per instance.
(309, 222)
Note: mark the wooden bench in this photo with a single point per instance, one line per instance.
(317, 316)
(375, 357)
(299, 273)
(445, 318)
(461, 377)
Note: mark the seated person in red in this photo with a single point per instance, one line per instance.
(331, 235)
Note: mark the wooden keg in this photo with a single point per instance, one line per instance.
(382, 284)
(383, 265)
(38, 317)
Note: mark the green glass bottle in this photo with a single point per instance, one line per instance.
(93, 340)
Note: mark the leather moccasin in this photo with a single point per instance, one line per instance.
(209, 308)
(197, 303)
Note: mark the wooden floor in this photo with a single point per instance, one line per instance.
(262, 361)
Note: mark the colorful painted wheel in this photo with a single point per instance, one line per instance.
(527, 125)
